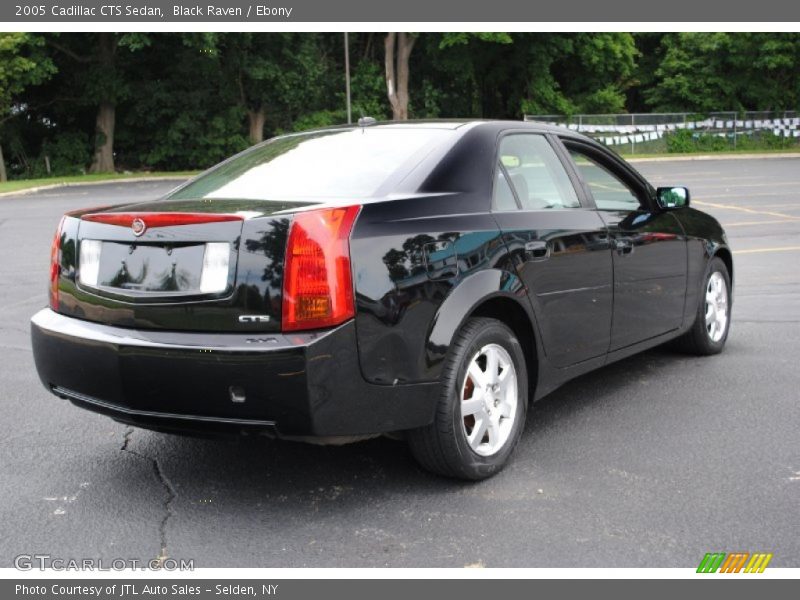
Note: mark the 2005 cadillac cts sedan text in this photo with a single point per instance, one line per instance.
(425, 278)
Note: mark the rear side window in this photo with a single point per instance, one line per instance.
(536, 173)
(330, 164)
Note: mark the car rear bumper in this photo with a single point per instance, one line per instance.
(305, 384)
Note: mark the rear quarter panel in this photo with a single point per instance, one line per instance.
(410, 259)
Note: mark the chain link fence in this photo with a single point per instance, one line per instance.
(655, 133)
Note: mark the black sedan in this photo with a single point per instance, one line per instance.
(422, 279)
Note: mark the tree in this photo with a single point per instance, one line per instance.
(473, 75)
(596, 70)
(103, 82)
(504, 75)
(188, 100)
(398, 51)
(724, 71)
(582, 72)
(180, 112)
(22, 64)
(275, 76)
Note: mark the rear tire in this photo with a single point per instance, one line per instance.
(481, 411)
(713, 318)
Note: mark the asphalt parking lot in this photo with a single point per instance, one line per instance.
(653, 461)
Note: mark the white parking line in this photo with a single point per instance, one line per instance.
(760, 250)
(748, 210)
(769, 222)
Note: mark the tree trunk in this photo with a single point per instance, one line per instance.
(106, 111)
(256, 119)
(398, 50)
(104, 139)
(3, 175)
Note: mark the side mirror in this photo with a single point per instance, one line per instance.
(672, 197)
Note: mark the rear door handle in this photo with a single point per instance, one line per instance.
(537, 250)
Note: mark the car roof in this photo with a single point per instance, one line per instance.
(453, 124)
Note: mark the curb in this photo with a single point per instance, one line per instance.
(52, 186)
(720, 156)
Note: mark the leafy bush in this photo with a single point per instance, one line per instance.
(693, 141)
(69, 153)
(680, 141)
(766, 140)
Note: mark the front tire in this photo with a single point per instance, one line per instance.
(712, 321)
(482, 407)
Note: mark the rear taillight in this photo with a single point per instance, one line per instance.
(55, 266)
(317, 282)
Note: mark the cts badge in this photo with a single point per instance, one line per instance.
(254, 319)
(138, 226)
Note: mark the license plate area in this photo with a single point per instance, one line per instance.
(154, 270)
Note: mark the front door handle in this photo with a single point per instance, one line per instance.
(623, 245)
(537, 250)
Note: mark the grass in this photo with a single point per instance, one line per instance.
(17, 185)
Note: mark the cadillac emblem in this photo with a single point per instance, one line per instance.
(138, 227)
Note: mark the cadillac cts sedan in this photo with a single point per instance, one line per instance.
(424, 280)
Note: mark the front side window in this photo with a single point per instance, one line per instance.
(536, 173)
(609, 191)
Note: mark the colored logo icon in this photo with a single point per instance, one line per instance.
(735, 562)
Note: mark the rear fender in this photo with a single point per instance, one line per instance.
(463, 301)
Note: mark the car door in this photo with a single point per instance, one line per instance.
(559, 245)
(649, 256)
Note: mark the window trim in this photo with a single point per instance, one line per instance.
(501, 168)
(585, 202)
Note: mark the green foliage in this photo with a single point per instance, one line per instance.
(68, 153)
(368, 91)
(23, 63)
(180, 147)
(765, 140)
(592, 71)
(179, 118)
(685, 141)
(739, 71)
(461, 38)
(689, 141)
(186, 100)
(280, 73)
(317, 120)
(680, 141)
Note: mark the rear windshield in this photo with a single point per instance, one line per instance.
(329, 164)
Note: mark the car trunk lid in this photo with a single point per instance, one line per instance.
(201, 265)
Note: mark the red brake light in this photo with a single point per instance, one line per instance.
(156, 219)
(317, 282)
(55, 265)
